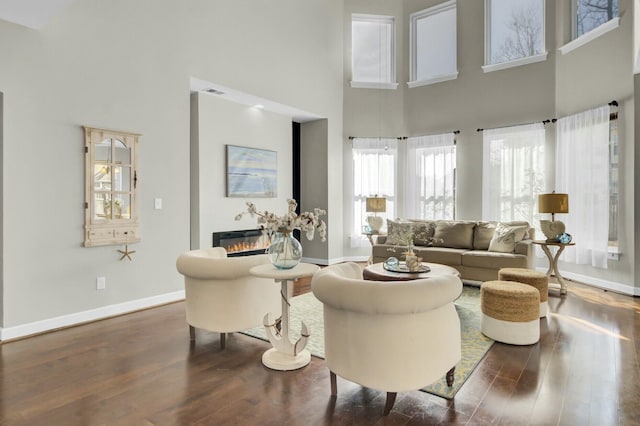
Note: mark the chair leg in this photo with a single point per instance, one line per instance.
(192, 333)
(391, 399)
(450, 376)
(334, 385)
(223, 340)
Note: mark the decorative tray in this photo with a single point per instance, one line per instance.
(402, 267)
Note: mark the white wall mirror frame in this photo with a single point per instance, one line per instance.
(111, 177)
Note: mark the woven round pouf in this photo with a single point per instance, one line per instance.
(532, 278)
(510, 312)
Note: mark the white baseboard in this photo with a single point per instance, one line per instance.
(600, 283)
(87, 316)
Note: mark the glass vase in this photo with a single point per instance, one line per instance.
(284, 251)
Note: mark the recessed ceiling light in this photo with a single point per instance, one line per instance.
(259, 106)
(214, 91)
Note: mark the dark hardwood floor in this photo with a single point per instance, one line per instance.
(140, 369)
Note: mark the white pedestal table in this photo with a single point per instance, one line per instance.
(285, 355)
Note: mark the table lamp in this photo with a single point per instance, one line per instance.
(375, 205)
(553, 203)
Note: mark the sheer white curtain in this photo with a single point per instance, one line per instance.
(430, 177)
(582, 171)
(513, 172)
(374, 173)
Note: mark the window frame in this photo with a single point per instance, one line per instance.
(614, 186)
(380, 19)
(415, 148)
(490, 67)
(113, 230)
(511, 136)
(414, 18)
(358, 198)
(578, 41)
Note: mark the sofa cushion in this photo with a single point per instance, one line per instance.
(423, 232)
(482, 235)
(443, 255)
(398, 230)
(493, 260)
(453, 234)
(506, 236)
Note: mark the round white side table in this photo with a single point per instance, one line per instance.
(285, 355)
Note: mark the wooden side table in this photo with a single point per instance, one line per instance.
(370, 236)
(285, 355)
(553, 260)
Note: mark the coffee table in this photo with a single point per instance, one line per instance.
(376, 272)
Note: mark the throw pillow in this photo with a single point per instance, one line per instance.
(521, 223)
(482, 235)
(505, 238)
(423, 232)
(397, 231)
(453, 234)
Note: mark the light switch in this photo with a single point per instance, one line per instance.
(157, 203)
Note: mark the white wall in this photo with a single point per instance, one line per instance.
(222, 123)
(126, 64)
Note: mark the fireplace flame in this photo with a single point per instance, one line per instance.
(260, 244)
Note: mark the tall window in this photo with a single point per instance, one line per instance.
(431, 177)
(614, 185)
(433, 45)
(590, 14)
(373, 51)
(582, 171)
(513, 172)
(374, 173)
(514, 32)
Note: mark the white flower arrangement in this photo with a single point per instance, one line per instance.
(307, 222)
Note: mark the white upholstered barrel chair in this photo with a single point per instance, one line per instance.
(391, 336)
(222, 296)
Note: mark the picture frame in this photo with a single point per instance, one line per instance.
(251, 172)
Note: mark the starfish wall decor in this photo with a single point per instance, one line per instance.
(126, 252)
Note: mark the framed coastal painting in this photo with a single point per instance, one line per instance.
(251, 172)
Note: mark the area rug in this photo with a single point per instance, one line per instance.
(474, 344)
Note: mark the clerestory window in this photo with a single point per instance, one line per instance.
(590, 14)
(514, 33)
(433, 44)
(373, 51)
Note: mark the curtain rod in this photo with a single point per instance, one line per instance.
(374, 137)
(400, 138)
(547, 121)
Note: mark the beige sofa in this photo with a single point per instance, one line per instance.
(477, 249)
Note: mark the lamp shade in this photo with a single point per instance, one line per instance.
(376, 204)
(553, 203)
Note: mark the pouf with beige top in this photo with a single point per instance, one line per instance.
(532, 278)
(510, 312)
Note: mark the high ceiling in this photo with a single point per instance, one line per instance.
(36, 14)
(31, 13)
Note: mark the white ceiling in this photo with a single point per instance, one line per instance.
(31, 13)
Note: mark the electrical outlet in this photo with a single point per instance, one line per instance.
(157, 203)
(101, 283)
